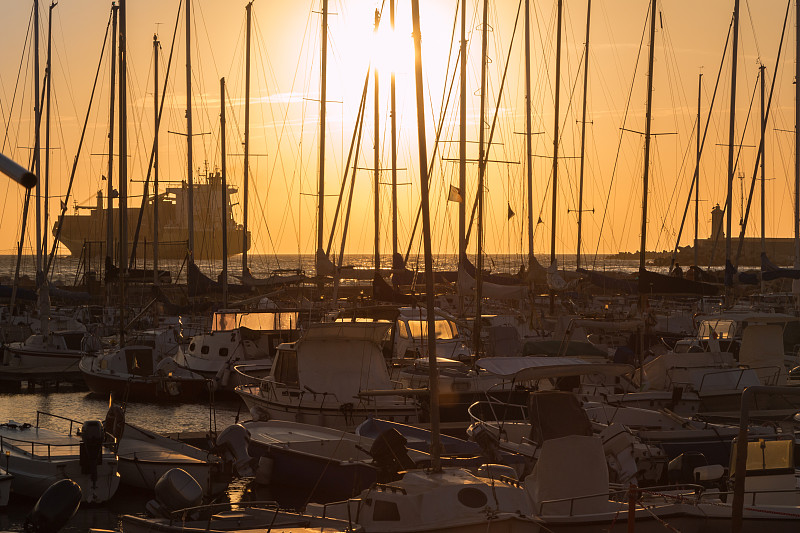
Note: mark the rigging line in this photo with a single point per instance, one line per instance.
(11, 111)
(353, 142)
(621, 133)
(729, 199)
(753, 28)
(761, 144)
(158, 124)
(357, 130)
(442, 113)
(77, 154)
(497, 109)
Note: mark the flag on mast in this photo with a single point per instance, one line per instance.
(455, 195)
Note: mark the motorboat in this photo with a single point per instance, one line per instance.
(37, 457)
(424, 501)
(238, 338)
(178, 507)
(569, 491)
(141, 373)
(332, 463)
(334, 376)
(55, 350)
(144, 456)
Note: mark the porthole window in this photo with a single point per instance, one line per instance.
(191, 347)
(472, 497)
(223, 352)
(204, 349)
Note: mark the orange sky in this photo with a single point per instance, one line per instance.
(285, 130)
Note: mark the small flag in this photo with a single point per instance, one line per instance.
(455, 195)
(511, 212)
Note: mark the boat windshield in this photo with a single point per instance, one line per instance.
(718, 329)
(417, 329)
(262, 321)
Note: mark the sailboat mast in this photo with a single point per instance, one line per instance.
(377, 159)
(123, 166)
(528, 133)
(462, 143)
(48, 77)
(476, 330)
(797, 145)
(762, 70)
(697, 175)
(190, 196)
(648, 121)
(555, 146)
(156, 45)
(37, 137)
(731, 139)
(393, 112)
(224, 192)
(246, 183)
(583, 131)
(112, 106)
(436, 464)
(323, 94)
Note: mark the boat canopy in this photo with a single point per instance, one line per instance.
(375, 332)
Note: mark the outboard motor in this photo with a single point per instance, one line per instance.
(390, 454)
(232, 445)
(55, 507)
(488, 442)
(92, 437)
(175, 490)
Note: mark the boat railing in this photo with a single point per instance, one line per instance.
(500, 412)
(72, 423)
(727, 496)
(29, 447)
(772, 380)
(669, 493)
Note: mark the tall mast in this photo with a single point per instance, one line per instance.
(377, 160)
(583, 130)
(555, 147)
(392, 113)
(697, 175)
(731, 139)
(112, 106)
(528, 133)
(433, 380)
(797, 143)
(224, 191)
(37, 139)
(762, 70)
(156, 45)
(462, 153)
(323, 94)
(190, 203)
(481, 174)
(48, 77)
(245, 269)
(648, 121)
(123, 166)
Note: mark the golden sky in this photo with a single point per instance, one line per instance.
(285, 113)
